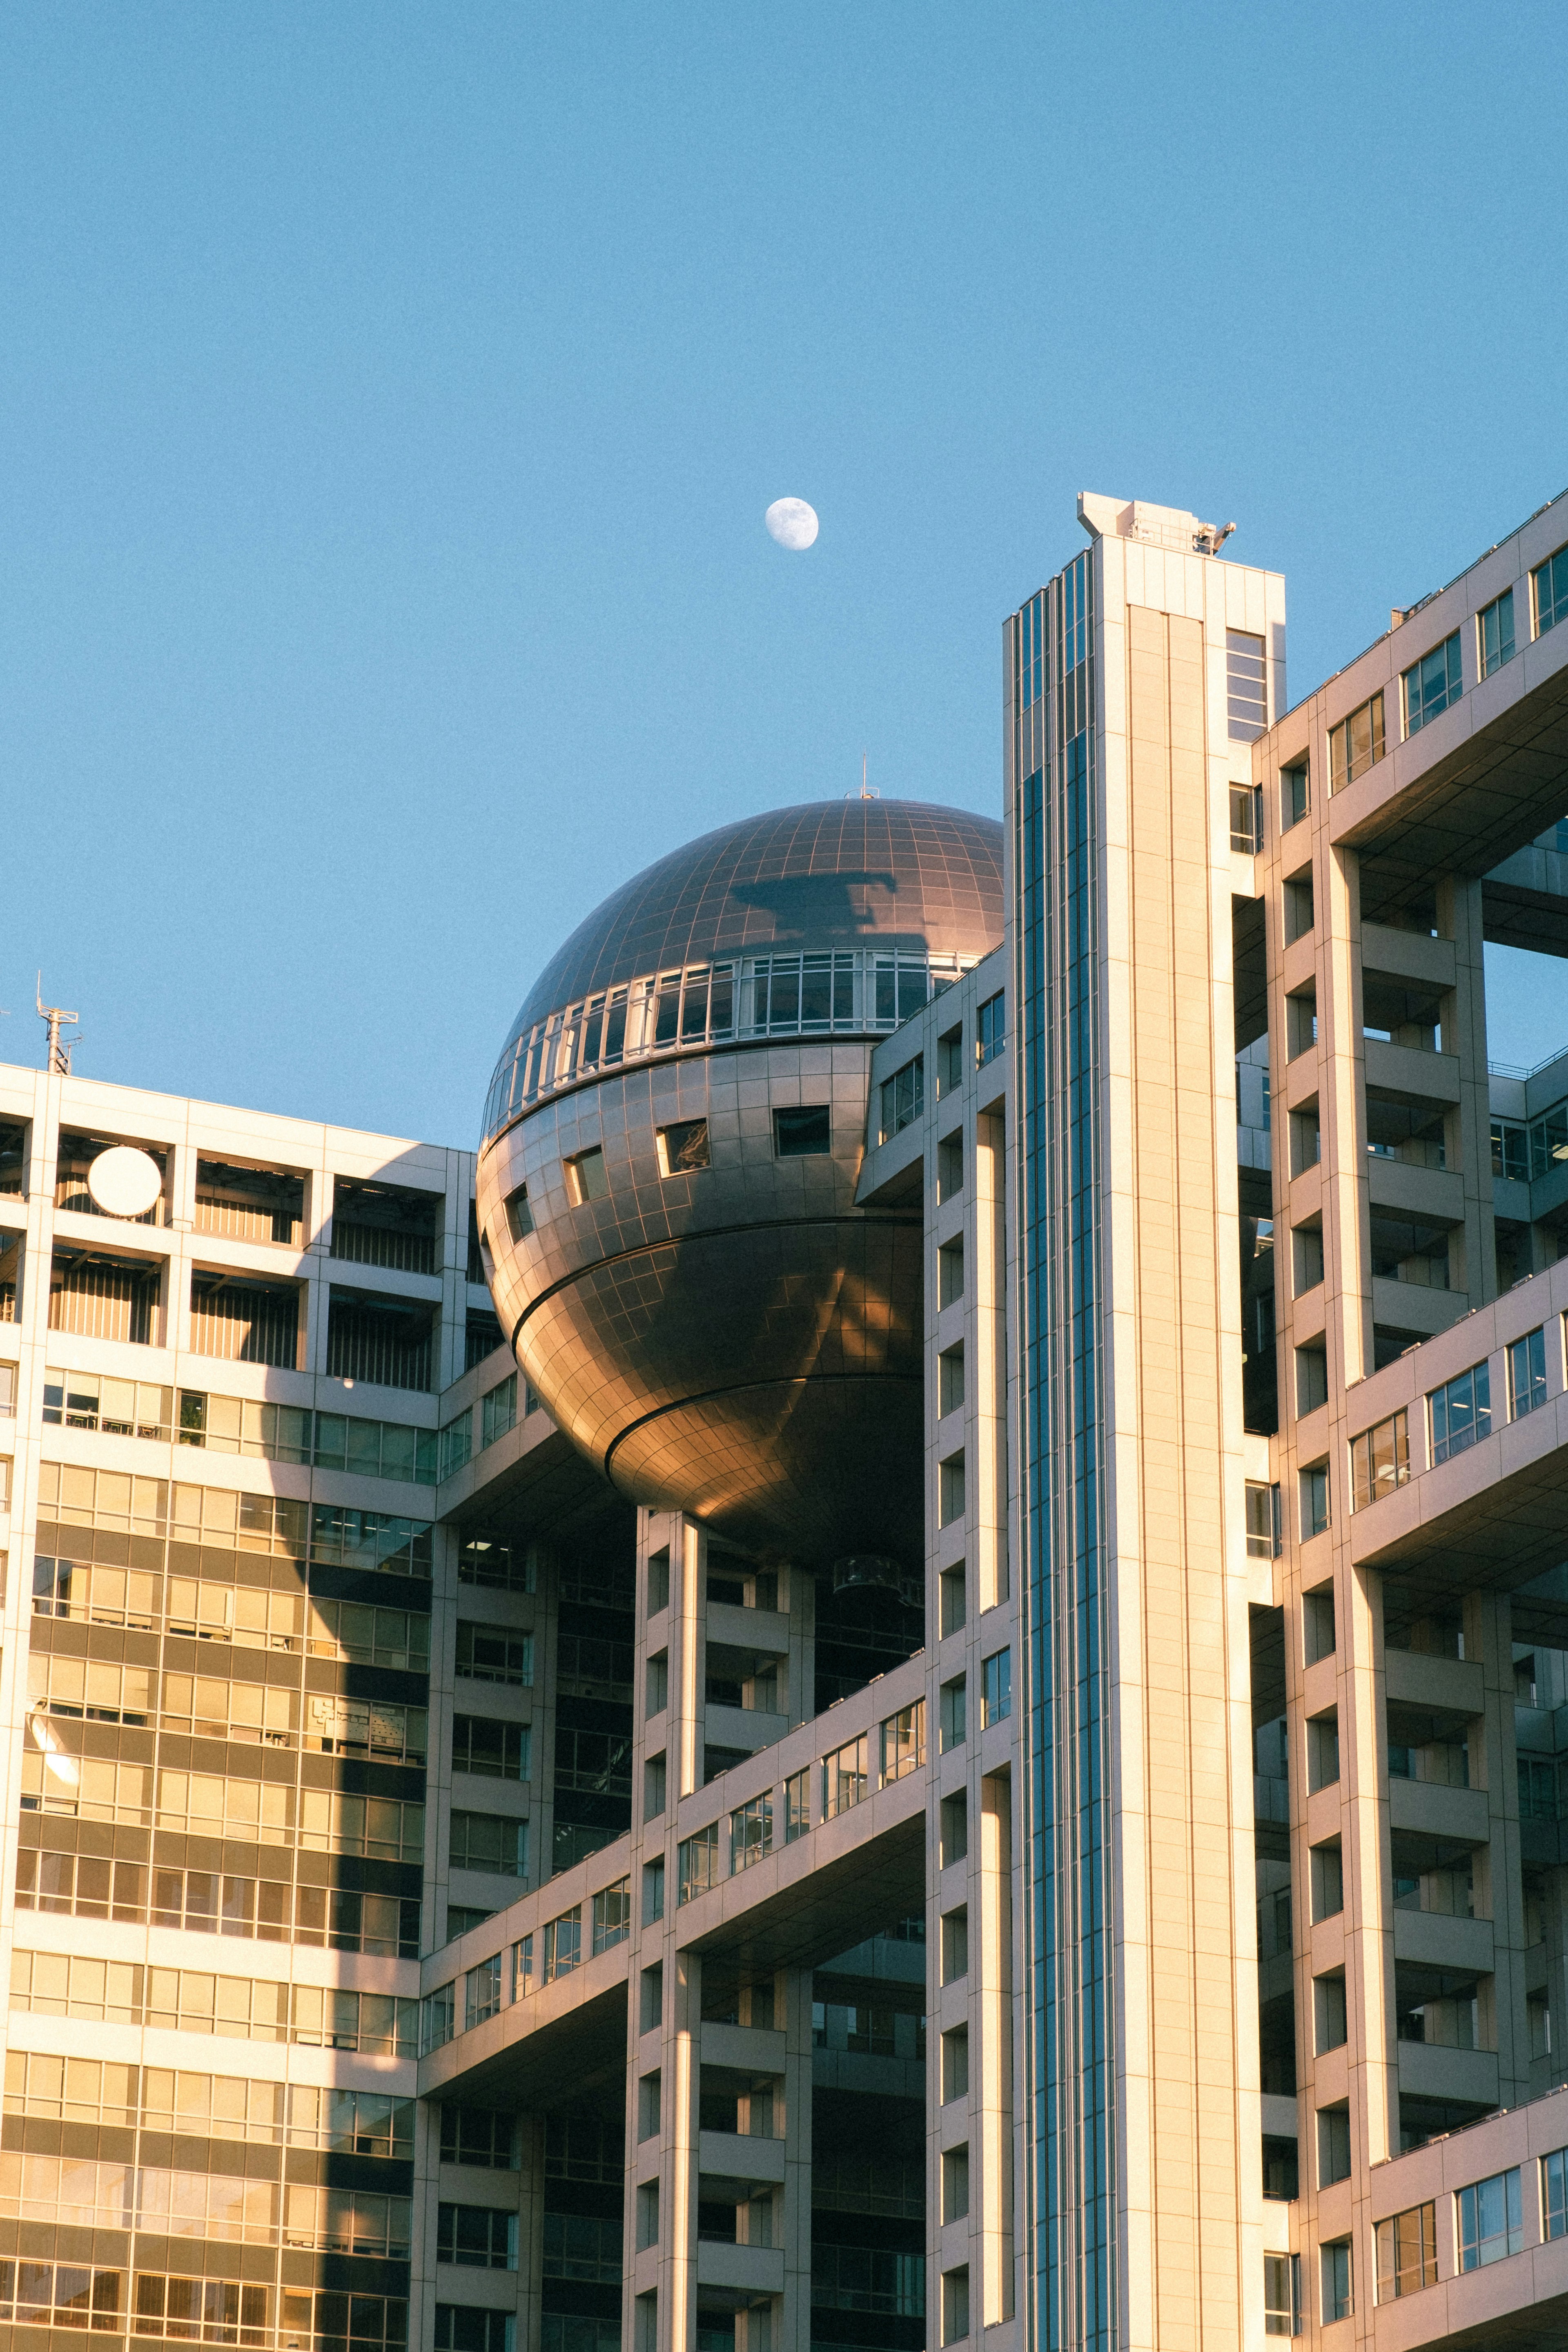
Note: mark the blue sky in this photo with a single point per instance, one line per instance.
(390, 397)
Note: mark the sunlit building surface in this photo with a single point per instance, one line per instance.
(898, 1672)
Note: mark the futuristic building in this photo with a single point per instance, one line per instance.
(897, 1673)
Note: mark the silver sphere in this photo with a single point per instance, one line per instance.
(673, 1140)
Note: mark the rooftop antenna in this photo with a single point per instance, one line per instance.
(867, 791)
(59, 1061)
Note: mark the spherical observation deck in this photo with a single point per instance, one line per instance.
(673, 1140)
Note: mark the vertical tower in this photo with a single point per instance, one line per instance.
(1135, 684)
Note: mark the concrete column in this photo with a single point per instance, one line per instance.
(530, 2229)
(1459, 919)
(793, 1998)
(1500, 1892)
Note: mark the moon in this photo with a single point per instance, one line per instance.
(791, 523)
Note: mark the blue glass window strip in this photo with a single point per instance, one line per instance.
(1072, 2065)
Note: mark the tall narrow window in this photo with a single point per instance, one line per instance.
(1494, 634)
(1246, 686)
(1549, 583)
(1527, 1374)
(1356, 744)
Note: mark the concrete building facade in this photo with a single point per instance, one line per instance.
(896, 1674)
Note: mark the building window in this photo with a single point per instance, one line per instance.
(1246, 819)
(949, 1060)
(456, 1444)
(954, 1704)
(990, 1028)
(1549, 585)
(1492, 2224)
(845, 1775)
(1314, 1500)
(1461, 1413)
(1526, 1374)
(587, 1177)
(519, 1217)
(1246, 686)
(950, 1379)
(954, 1603)
(903, 1742)
(1379, 1460)
(652, 1891)
(1031, 653)
(1281, 2168)
(955, 1944)
(1327, 1881)
(1322, 1751)
(499, 1411)
(482, 1992)
(437, 2018)
(488, 1653)
(459, 2328)
(797, 1805)
(1494, 634)
(949, 1274)
(1339, 2301)
(563, 1944)
(955, 2183)
(490, 1749)
(612, 1916)
(1319, 1639)
(804, 1134)
(1281, 2295)
(1554, 2193)
(750, 1833)
(696, 1863)
(1430, 685)
(684, 1148)
(997, 1688)
(1262, 1520)
(1407, 2252)
(902, 1099)
(1295, 795)
(952, 1489)
(1311, 1378)
(476, 2237)
(1356, 744)
(956, 2064)
(1329, 2025)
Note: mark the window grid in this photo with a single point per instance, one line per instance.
(1492, 2224)
(1461, 1412)
(1379, 1460)
(1431, 685)
(1527, 1374)
(1356, 744)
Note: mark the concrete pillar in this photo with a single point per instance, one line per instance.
(792, 1998)
(1488, 1639)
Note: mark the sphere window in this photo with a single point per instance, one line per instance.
(683, 1148)
(802, 1134)
(586, 1178)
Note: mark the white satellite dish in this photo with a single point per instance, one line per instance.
(124, 1181)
